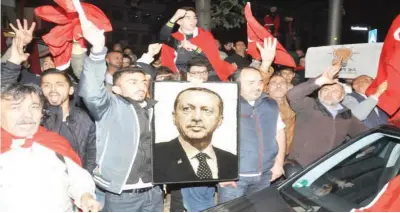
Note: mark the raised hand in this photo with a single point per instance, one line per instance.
(180, 13)
(154, 49)
(24, 32)
(268, 52)
(92, 34)
(330, 76)
(17, 51)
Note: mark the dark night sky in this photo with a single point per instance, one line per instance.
(311, 16)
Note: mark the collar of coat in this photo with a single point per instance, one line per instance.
(344, 113)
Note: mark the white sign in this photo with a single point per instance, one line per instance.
(358, 59)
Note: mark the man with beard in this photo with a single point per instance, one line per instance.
(198, 112)
(363, 107)
(39, 169)
(262, 137)
(61, 115)
(321, 124)
(123, 122)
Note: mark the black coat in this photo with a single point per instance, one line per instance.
(171, 165)
(80, 127)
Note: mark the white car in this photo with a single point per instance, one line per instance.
(347, 178)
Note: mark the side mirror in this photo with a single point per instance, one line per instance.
(291, 167)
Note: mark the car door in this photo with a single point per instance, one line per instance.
(347, 178)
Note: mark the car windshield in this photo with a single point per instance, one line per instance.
(349, 179)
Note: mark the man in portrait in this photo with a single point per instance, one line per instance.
(198, 112)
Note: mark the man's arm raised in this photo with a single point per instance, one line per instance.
(166, 30)
(92, 89)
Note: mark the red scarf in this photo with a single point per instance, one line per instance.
(256, 33)
(45, 138)
(389, 70)
(206, 42)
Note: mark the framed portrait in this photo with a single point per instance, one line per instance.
(195, 132)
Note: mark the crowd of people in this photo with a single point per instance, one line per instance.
(84, 134)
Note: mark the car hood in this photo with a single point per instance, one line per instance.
(266, 200)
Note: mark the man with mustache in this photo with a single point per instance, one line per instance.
(262, 135)
(39, 169)
(322, 124)
(61, 116)
(123, 122)
(277, 89)
(198, 112)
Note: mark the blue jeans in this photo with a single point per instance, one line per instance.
(245, 185)
(100, 196)
(149, 201)
(196, 199)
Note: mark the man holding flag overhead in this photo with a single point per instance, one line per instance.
(190, 41)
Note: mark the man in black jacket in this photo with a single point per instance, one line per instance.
(60, 116)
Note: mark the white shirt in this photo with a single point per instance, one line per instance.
(34, 179)
(191, 153)
(279, 123)
(333, 109)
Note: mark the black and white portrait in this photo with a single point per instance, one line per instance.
(195, 132)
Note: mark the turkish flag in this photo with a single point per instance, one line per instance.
(256, 33)
(60, 38)
(389, 70)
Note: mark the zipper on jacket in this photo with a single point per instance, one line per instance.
(137, 146)
(258, 130)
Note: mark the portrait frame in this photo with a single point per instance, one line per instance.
(164, 131)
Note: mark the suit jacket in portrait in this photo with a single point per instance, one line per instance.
(171, 164)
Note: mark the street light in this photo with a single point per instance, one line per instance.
(359, 28)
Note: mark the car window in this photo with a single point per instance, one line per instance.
(349, 179)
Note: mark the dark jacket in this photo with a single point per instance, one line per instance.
(170, 164)
(317, 131)
(182, 55)
(258, 126)
(239, 60)
(79, 129)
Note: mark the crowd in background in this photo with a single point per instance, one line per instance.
(106, 93)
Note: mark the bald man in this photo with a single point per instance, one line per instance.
(114, 63)
(363, 107)
(321, 124)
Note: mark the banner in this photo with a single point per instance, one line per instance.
(358, 59)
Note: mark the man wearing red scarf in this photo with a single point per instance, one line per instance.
(190, 41)
(39, 171)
